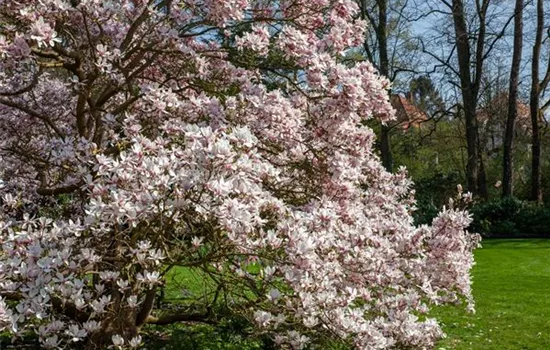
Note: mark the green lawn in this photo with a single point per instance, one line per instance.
(512, 293)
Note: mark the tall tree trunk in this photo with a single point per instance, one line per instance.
(382, 37)
(472, 165)
(507, 171)
(534, 102)
(469, 94)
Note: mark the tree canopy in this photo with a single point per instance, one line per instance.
(222, 136)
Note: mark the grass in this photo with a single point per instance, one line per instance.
(512, 293)
(182, 282)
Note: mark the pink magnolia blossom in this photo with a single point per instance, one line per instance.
(142, 135)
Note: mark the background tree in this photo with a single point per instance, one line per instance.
(537, 87)
(389, 47)
(426, 96)
(464, 49)
(470, 83)
(507, 170)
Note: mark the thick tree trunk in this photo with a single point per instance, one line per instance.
(470, 71)
(382, 37)
(534, 102)
(122, 322)
(469, 95)
(472, 169)
(507, 171)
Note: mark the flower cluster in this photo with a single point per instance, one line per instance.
(220, 137)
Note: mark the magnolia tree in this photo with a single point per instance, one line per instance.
(223, 138)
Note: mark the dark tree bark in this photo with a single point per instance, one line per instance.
(507, 170)
(534, 107)
(384, 67)
(385, 143)
(470, 85)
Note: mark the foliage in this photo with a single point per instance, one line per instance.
(431, 154)
(432, 194)
(160, 148)
(510, 217)
(432, 150)
(426, 96)
(496, 217)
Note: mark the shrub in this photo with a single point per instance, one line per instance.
(214, 136)
(432, 193)
(510, 217)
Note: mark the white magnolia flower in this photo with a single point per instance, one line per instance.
(135, 341)
(149, 277)
(118, 341)
(274, 294)
(51, 342)
(91, 326)
(75, 333)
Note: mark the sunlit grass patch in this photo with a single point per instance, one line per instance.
(511, 289)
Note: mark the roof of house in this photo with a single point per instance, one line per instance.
(498, 107)
(407, 113)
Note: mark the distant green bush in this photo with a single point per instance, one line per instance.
(510, 217)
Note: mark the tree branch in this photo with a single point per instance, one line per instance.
(69, 309)
(32, 113)
(146, 307)
(58, 190)
(169, 319)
